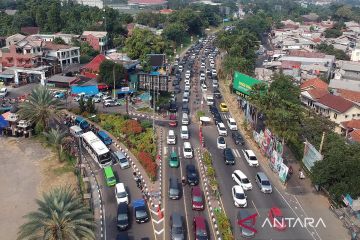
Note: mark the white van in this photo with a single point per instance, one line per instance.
(184, 132)
(185, 119)
(187, 150)
(171, 138)
(121, 194)
(76, 131)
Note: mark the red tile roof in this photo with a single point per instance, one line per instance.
(314, 83)
(355, 135)
(316, 40)
(56, 47)
(317, 93)
(336, 103)
(94, 65)
(30, 30)
(300, 53)
(349, 95)
(166, 11)
(353, 124)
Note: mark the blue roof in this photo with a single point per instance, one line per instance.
(138, 203)
(3, 122)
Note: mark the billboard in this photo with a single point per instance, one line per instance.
(311, 155)
(243, 83)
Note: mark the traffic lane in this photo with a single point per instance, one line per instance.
(136, 231)
(257, 201)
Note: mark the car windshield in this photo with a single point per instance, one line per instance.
(200, 233)
(177, 230)
(122, 217)
(240, 196)
(174, 191)
(173, 159)
(221, 140)
(140, 213)
(222, 128)
(123, 160)
(187, 150)
(265, 183)
(197, 199)
(245, 180)
(253, 158)
(121, 194)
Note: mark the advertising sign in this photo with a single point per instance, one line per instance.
(311, 155)
(283, 172)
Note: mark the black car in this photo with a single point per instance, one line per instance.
(123, 216)
(217, 94)
(173, 107)
(174, 189)
(192, 175)
(177, 89)
(212, 109)
(217, 119)
(122, 236)
(238, 139)
(175, 83)
(229, 156)
(185, 108)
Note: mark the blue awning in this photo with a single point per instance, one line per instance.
(3, 122)
(125, 92)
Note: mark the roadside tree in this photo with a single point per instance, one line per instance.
(55, 138)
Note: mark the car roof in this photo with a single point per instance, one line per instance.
(231, 119)
(240, 174)
(200, 222)
(173, 154)
(276, 211)
(187, 144)
(196, 190)
(183, 127)
(119, 154)
(138, 203)
(172, 117)
(176, 219)
(221, 124)
(238, 189)
(171, 132)
(120, 187)
(122, 207)
(250, 152)
(103, 134)
(262, 175)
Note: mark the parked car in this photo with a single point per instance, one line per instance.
(59, 95)
(228, 156)
(277, 219)
(240, 178)
(251, 158)
(217, 93)
(238, 139)
(197, 198)
(177, 231)
(111, 103)
(221, 144)
(174, 160)
(3, 92)
(200, 228)
(192, 176)
(123, 221)
(140, 211)
(239, 196)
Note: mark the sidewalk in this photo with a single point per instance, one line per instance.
(299, 194)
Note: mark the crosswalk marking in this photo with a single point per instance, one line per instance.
(236, 153)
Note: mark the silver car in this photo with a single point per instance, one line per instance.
(121, 159)
(176, 227)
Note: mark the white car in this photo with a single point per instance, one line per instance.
(121, 194)
(105, 97)
(3, 92)
(187, 74)
(221, 144)
(239, 196)
(213, 73)
(111, 103)
(232, 124)
(251, 158)
(212, 64)
(221, 129)
(96, 99)
(180, 68)
(187, 86)
(240, 178)
(203, 88)
(185, 99)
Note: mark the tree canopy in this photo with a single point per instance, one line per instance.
(330, 50)
(108, 69)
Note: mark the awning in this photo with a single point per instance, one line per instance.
(3, 122)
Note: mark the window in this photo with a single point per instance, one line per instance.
(354, 115)
(335, 115)
(346, 116)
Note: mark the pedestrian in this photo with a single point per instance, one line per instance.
(183, 181)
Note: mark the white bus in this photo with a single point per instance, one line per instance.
(96, 148)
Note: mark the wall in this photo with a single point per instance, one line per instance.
(341, 117)
(355, 55)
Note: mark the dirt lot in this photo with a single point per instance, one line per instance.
(27, 168)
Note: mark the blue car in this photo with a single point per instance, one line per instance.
(140, 211)
(81, 122)
(104, 137)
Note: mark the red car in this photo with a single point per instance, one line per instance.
(197, 199)
(200, 229)
(277, 219)
(173, 120)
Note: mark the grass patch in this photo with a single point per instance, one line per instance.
(63, 169)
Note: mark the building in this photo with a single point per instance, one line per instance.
(11, 40)
(355, 54)
(91, 70)
(65, 54)
(352, 96)
(98, 40)
(60, 81)
(346, 76)
(92, 3)
(155, 81)
(68, 38)
(147, 3)
(314, 83)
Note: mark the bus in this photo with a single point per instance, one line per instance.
(96, 148)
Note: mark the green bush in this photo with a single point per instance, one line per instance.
(224, 225)
(146, 124)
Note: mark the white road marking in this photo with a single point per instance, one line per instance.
(236, 153)
(165, 150)
(157, 222)
(255, 208)
(159, 232)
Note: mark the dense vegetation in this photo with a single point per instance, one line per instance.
(330, 50)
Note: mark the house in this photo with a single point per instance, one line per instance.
(346, 76)
(11, 40)
(314, 83)
(352, 96)
(60, 81)
(65, 54)
(337, 109)
(312, 90)
(157, 81)
(349, 126)
(91, 70)
(68, 38)
(355, 54)
(354, 136)
(30, 30)
(98, 40)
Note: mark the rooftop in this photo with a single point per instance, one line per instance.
(347, 84)
(314, 83)
(56, 47)
(336, 103)
(62, 79)
(353, 124)
(349, 95)
(348, 65)
(95, 33)
(147, 2)
(317, 93)
(299, 53)
(355, 135)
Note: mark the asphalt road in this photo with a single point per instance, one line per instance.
(183, 206)
(136, 231)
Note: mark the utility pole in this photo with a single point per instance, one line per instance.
(114, 79)
(322, 142)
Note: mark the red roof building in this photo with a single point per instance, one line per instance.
(314, 83)
(317, 93)
(349, 95)
(355, 136)
(336, 103)
(91, 70)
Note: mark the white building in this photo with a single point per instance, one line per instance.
(92, 3)
(68, 38)
(65, 54)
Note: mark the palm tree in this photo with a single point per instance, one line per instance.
(40, 107)
(55, 138)
(60, 215)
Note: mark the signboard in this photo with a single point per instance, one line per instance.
(125, 89)
(311, 155)
(283, 172)
(243, 83)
